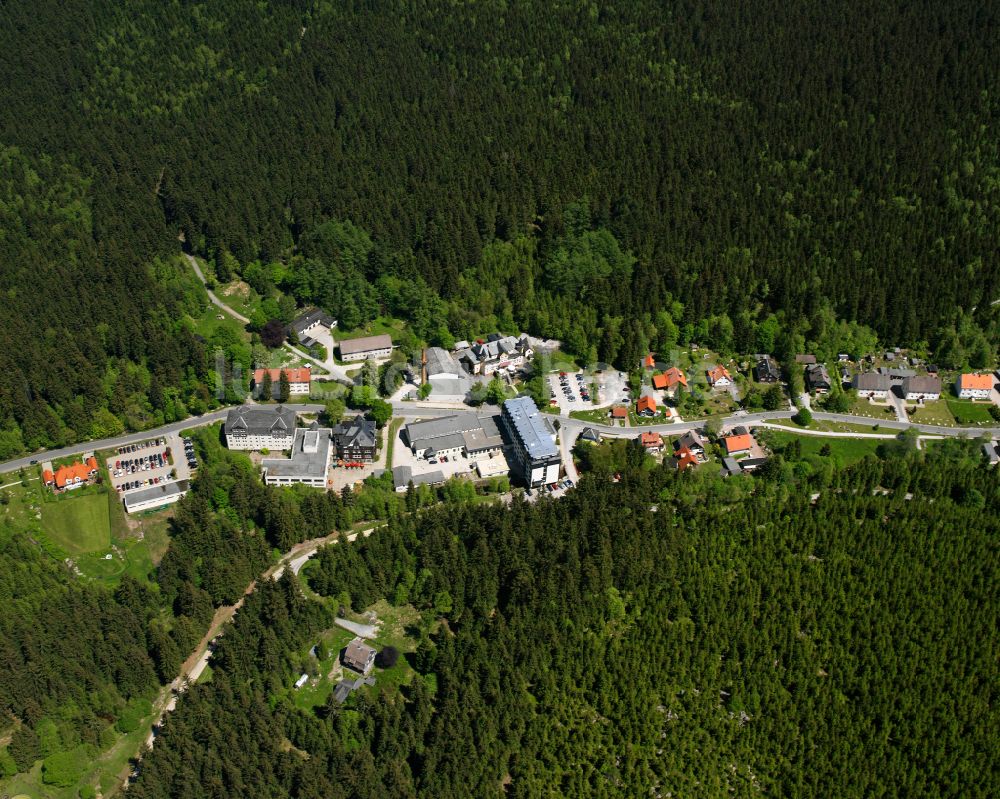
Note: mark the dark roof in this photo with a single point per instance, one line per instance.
(870, 381)
(691, 440)
(590, 434)
(352, 346)
(260, 420)
(922, 385)
(309, 318)
(359, 432)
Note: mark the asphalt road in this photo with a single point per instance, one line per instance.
(406, 409)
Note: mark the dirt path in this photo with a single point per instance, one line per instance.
(192, 668)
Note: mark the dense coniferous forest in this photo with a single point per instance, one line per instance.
(668, 634)
(735, 160)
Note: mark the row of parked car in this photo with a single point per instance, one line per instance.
(581, 385)
(143, 463)
(189, 451)
(129, 448)
(548, 489)
(149, 481)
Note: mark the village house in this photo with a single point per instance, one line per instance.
(359, 656)
(974, 386)
(871, 385)
(649, 361)
(669, 380)
(496, 353)
(918, 389)
(692, 442)
(684, 459)
(719, 377)
(818, 378)
(646, 406)
(618, 412)
(66, 478)
(299, 381)
(739, 440)
(766, 370)
(652, 443)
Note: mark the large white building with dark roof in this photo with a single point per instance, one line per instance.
(533, 443)
(463, 434)
(251, 427)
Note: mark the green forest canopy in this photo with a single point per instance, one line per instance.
(740, 639)
(823, 162)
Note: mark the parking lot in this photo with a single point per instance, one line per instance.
(573, 391)
(151, 462)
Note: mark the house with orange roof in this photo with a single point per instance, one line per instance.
(974, 386)
(685, 458)
(74, 475)
(299, 380)
(669, 380)
(619, 412)
(719, 377)
(651, 442)
(646, 406)
(649, 361)
(739, 441)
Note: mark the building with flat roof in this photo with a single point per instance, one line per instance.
(157, 496)
(492, 467)
(360, 349)
(309, 461)
(535, 456)
(463, 434)
(253, 427)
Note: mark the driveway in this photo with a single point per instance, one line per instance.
(898, 403)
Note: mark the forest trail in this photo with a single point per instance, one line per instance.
(211, 294)
(192, 668)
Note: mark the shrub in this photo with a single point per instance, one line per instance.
(64, 769)
(133, 714)
(803, 417)
(387, 657)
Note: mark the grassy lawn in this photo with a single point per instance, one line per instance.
(378, 326)
(394, 426)
(598, 415)
(78, 524)
(844, 450)
(827, 427)
(931, 413)
(967, 412)
(862, 407)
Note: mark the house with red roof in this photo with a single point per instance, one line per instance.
(74, 475)
(651, 442)
(719, 377)
(739, 441)
(299, 380)
(974, 386)
(649, 362)
(669, 380)
(646, 406)
(685, 458)
(619, 412)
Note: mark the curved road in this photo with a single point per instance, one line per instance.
(211, 294)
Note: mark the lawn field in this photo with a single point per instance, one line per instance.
(844, 450)
(938, 412)
(78, 524)
(967, 412)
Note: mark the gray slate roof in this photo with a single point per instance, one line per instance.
(359, 432)
(922, 385)
(440, 361)
(309, 318)
(403, 475)
(353, 346)
(260, 420)
(871, 381)
(535, 434)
